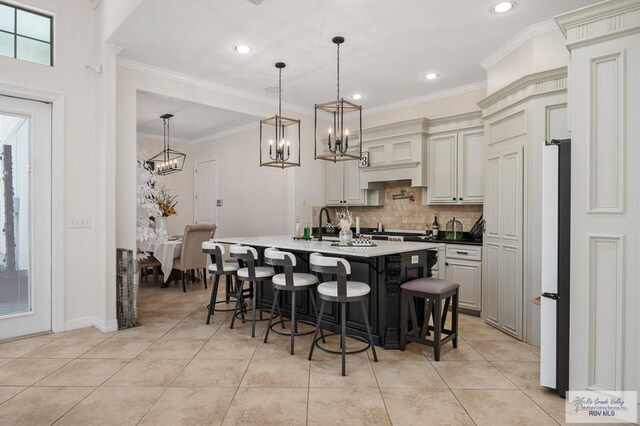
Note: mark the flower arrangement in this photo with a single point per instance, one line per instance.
(345, 219)
(166, 202)
(147, 208)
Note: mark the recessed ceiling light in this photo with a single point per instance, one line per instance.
(503, 7)
(242, 48)
(356, 96)
(431, 76)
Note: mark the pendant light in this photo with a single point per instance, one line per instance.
(337, 146)
(168, 160)
(277, 152)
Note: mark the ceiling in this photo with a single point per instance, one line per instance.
(389, 45)
(191, 121)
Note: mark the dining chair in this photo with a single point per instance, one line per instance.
(191, 257)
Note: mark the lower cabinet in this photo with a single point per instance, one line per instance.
(469, 275)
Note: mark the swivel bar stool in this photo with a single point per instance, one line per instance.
(256, 275)
(292, 282)
(217, 268)
(343, 292)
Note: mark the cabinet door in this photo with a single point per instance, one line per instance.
(442, 188)
(469, 276)
(334, 183)
(471, 167)
(353, 195)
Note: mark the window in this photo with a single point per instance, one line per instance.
(26, 35)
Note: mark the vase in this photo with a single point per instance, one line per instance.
(163, 226)
(346, 234)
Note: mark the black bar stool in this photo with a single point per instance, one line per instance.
(433, 291)
(217, 268)
(289, 281)
(343, 292)
(256, 275)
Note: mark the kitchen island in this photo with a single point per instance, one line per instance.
(384, 267)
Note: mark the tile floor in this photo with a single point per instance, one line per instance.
(176, 370)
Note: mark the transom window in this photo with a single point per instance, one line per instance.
(26, 35)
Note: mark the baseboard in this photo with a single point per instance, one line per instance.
(91, 321)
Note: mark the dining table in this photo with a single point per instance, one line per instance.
(166, 250)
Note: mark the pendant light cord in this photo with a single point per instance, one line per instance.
(280, 92)
(338, 72)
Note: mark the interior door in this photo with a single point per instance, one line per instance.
(206, 193)
(503, 210)
(25, 217)
(442, 187)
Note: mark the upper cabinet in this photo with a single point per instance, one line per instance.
(456, 167)
(342, 186)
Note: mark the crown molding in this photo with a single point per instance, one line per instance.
(429, 97)
(206, 84)
(527, 87)
(518, 40)
(601, 21)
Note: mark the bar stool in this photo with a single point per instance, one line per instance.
(253, 274)
(291, 282)
(217, 268)
(433, 291)
(343, 292)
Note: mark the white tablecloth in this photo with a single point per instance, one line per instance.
(166, 252)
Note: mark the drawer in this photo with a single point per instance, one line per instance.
(459, 251)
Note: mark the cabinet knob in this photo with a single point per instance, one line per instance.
(446, 264)
(460, 198)
(454, 198)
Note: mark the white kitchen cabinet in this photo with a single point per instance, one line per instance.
(456, 168)
(342, 186)
(468, 274)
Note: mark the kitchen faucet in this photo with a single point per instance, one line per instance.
(319, 233)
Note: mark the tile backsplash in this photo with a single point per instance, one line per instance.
(405, 214)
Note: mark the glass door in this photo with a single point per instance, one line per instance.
(25, 217)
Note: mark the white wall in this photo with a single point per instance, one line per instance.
(180, 184)
(540, 53)
(73, 85)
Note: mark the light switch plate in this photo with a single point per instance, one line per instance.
(219, 203)
(79, 222)
(415, 259)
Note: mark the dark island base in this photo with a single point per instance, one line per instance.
(384, 275)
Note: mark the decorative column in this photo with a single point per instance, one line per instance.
(393, 271)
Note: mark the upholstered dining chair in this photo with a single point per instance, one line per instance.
(191, 257)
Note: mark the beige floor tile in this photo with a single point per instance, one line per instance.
(41, 406)
(501, 350)
(407, 375)
(84, 372)
(7, 392)
(524, 374)
(479, 331)
(25, 372)
(146, 331)
(190, 406)
(413, 352)
(432, 406)
(268, 406)
(464, 352)
(106, 406)
(333, 343)
(347, 407)
(228, 348)
(212, 373)
(148, 372)
(4, 361)
(174, 348)
(552, 403)
(502, 407)
(534, 349)
(188, 330)
(17, 348)
(286, 372)
(240, 330)
(280, 346)
(66, 347)
(119, 348)
(472, 375)
(328, 374)
(91, 332)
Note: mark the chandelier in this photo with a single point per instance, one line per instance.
(337, 143)
(168, 160)
(284, 131)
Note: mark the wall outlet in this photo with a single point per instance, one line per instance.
(415, 259)
(79, 222)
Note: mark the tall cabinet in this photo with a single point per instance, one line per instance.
(518, 118)
(604, 42)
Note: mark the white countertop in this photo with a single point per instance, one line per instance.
(286, 242)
